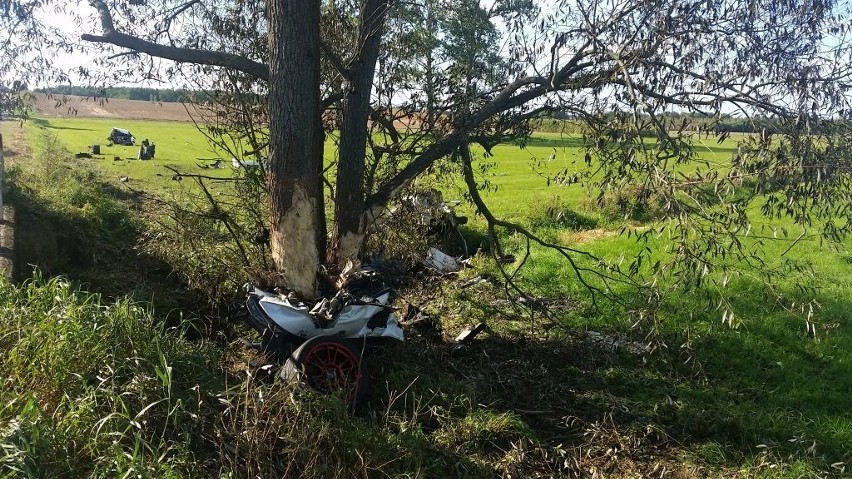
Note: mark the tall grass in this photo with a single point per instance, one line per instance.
(72, 188)
(755, 397)
(104, 390)
(96, 390)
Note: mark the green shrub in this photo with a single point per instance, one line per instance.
(556, 213)
(629, 202)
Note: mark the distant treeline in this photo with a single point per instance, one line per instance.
(124, 93)
(674, 122)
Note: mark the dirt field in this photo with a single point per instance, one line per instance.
(60, 106)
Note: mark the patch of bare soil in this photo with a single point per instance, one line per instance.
(586, 236)
(61, 106)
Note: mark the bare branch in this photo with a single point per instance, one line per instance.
(178, 54)
(336, 61)
(565, 252)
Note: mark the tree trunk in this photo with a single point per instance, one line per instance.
(295, 187)
(349, 221)
(431, 28)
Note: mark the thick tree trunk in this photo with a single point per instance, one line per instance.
(349, 221)
(297, 237)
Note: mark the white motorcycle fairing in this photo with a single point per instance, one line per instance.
(350, 322)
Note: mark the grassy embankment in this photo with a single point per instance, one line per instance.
(762, 399)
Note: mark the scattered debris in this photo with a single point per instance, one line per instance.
(82, 154)
(243, 163)
(486, 278)
(442, 262)
(539, 303)
(612, 343)
(124, 179)
(219, 163)
(461, 345)
(96, 149)
(435, 215)
(177, 177)
(469, 334)
(635, 347)
(426, 211)
(259, 368)
(326, 310)
(147, 150)
(602, 341)
(422, 323)
(506, 259)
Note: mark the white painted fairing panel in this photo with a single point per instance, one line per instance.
(350, 322)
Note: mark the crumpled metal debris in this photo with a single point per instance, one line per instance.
(612, 343)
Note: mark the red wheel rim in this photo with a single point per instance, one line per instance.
(332, 367)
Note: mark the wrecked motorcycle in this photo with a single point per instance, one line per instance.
(323, 343)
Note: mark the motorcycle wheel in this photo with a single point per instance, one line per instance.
(328, 365)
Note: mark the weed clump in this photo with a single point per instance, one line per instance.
(629, 203)
(68, 220)
(556, 214)
(104, 390)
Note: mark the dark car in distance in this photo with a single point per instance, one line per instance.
(121, 136)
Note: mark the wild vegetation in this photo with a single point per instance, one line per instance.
(646, 278)
(761, 394)
(402, 86)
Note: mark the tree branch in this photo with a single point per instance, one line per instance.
(188, 55)
(336, 61)
(103, 13)
(507, 98)
(564, 251)
(434, 152)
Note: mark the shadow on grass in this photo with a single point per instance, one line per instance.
(566, 141)
(96, 250)
(766, 389)
(43, 123)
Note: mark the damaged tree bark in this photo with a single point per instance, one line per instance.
(295, 143)
(350, 226)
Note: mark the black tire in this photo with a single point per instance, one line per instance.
(329, 364)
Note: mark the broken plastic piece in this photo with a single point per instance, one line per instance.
(442, 261)
(469, 334)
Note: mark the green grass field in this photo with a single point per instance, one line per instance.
(519, 175)
(179, 145)
(756, 398)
